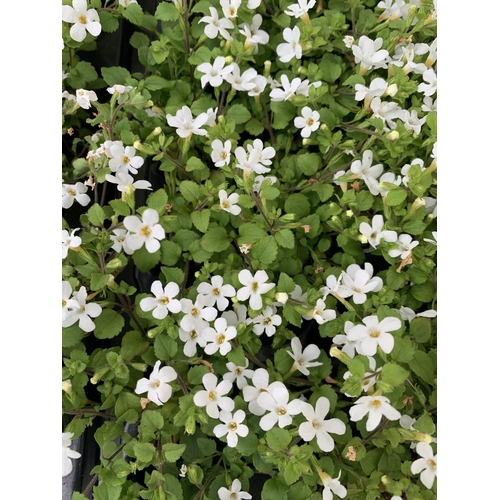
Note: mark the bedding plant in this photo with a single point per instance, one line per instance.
(249, 249)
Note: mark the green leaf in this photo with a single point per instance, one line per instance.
(201, 219)
(250, 233)
(81, 74)
(283, 113)
(115, 75)
(425, 424)
(299, 491)
(190, 190)
(138, 40)
(292, 473)
(195, 374)
(393, 374)
(270, 193)
(194, 164)
(145, 260)
(237, 356)
(106, 492)
(109, 22)
(331, 67)
(420, 330)
(72, 335)
(291, 315)
(154, 82)
(324, 191)
(298, 204)
(166, 12)
(144, 452)
(207, 446)
(96, 215)
(170, 252)
(127, 401)
(432, 122)
(165, 348)
(248, 444)
(403, 349)
(265, 250)
(285, 238)
(285, 284)
(423, 366)
(215, 240)
(254, 127)
(134, 14)
(158, 200)
(99, 281)
(120, 207)
(108, 324)
(239, 113)
(275, 488)
(152, 419)
(423, 292)
(309, 163)
(394, 279)
(395, 197)
(173, 451)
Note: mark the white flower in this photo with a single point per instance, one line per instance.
(214, 73)
(232, 426)
(123, 159)
(266, 322)
(119, 238)
(191, 339)
(425, 466)
(358, 282)
(404, 56)
(300, 8)
(248, 162)
(229, 203)
(386, 111)
(67, 453)
(235, 318)
(216, 292)
(319, 428)
(319, 313)
(332, 486)
(370, 377)
(235, 492)
(244, 81)
(348, 41)
(119, 89)
(163, 303)
(405, 246)
(157, 387)
(83, 98)
(368, 53)
(238, 373)
(82, 19)
(393, 9)
(70, 241)
(332, 286)
(280, 410)
(391, 179)
(197, 315)
(303, 360)
(375, 232)
(308, 122)
(377, 88)
(376, 407)
(254, 4)
(260, 381)
(374, 334)
(263, 155)
(66, 294)
(409, 314)
(289, 89)
(183, 470)
(126, 3)
(254, 287)
(434, 241)
(213, 397)
(211, 117)
(253, 34)
(186, 125)
(81, 311)
(429, 105)
(287, 51)
(260, 84)
(72, 192)
(146, 232)
(230, 8)
(216, 26)
(405, 170)
(430, 87)
(364, 170)
(259, 180)
(349, 346)
(411, 121)
(125, 182)
(430, 206)
(218, 337)
(221, 153)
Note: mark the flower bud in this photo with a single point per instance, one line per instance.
(362, 238)
(229, 59)
(144, 148)
(335, 352)
(392, 136)
(99, 374)
(281, 297)
(67, 387)
(421, 436)
(155, 331)
(267, 68)
(114, 264)
(302, 70)
(391, 90)
(349, 213)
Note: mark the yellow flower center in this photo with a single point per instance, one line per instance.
(223, 155)
(193, 334)
(232, 426)
(146, 231)
(194, 311)
(267, 321)
(232, 11)
(220, 338)
(375, 335)
(126, 159)
(431, 463)
(82, 19)
(216, 291)
(238, 371)
(64, 303)
(309, 122)
(282, 411)
(255, 286)
(164, 300)
(212, 395)
(224, 204)
(156, 384)
(376, 403)
(72, 192)
(315, 424)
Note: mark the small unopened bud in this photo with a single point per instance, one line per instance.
(111, 280)
(281, 297)
(114, 264)
(229, 59)
(363, 238)
(324, 126)
(305, 142)
(392, 90)
(392, 136)
(267, 68)
(349, 213)
(144, 148)
(155, 331)
(348, 41)
(335, 352)
(419, 202)
(67, 387)
(142, 367)
(421, 436)
(302, 70)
